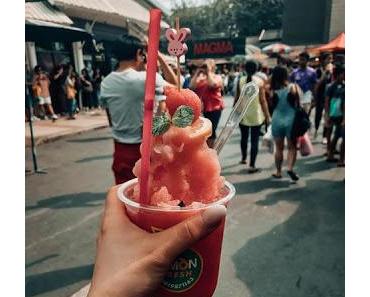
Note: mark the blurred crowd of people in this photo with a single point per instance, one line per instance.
(284, 89)
(57, 93)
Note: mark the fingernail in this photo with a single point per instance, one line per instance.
(213, 215)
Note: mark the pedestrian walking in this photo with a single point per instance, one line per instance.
(96, 82)
(306, 78)
(70, 89)
(334, 110)
(208, 86)
(255, 116)
(40, 85)
(87, 89)
(325, 76)
(122, 93)
(57, 89)
(187, 77)
(236, 75)
(285, 101)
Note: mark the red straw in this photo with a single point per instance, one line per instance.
(153, 44)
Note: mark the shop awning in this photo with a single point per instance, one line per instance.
(40, 31)
(130, 9)
(43, 11)
(112, 12)
(337, 44)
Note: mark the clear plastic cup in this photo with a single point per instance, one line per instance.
(195, 272)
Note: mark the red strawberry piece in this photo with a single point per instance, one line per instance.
(175, 98)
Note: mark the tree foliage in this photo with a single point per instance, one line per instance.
(235, 18)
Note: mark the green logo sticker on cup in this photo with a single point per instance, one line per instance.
(184, 272)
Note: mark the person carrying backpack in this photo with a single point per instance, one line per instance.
(334, 110)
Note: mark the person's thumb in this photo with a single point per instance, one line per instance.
(181, 236)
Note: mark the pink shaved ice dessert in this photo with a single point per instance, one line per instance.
(184, 171)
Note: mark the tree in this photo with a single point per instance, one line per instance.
(230, 17)
(252, 16)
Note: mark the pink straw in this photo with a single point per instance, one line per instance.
(153, 44)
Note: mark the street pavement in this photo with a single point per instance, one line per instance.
(280, 239)
(48, 130)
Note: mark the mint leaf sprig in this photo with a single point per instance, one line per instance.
(183, 117)
(161, 123)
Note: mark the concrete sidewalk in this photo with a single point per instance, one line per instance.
(46, 131)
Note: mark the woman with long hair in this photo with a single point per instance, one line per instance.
(285, 101)
(255, 116)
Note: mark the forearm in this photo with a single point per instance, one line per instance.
(326, 107)
(109, 117)
(193, 82)
(168, 73)
(315, 92)
(264, 105)
(265, 110)
(211, 80)
(34, 82)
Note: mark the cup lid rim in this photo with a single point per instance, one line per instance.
(127, 201)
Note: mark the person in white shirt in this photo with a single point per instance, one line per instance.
(122, 93)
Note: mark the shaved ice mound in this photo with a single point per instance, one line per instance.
(183, 168)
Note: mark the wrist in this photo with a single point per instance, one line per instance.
(103, 292)
(93, 292)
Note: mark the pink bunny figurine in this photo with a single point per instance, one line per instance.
(176, 45)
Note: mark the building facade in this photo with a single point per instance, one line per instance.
(104, 19)
(308, 22)
(337, 18)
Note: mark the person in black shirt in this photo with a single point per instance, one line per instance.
(96, 82)
(58, 95)
(87, 89)
(334, 110)
(325, 76)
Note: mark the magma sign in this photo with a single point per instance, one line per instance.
(215, 48)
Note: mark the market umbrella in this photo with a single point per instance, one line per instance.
(277, 48)
(257, 56)
(238, 59)
(251, 49)
(337, 44)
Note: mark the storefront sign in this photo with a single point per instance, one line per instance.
(215, 48)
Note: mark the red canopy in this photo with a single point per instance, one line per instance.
(337, 44)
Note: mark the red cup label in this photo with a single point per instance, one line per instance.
(184, 272)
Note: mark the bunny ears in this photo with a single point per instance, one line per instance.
(176, 38)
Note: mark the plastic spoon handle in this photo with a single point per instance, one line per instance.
(248, 93)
